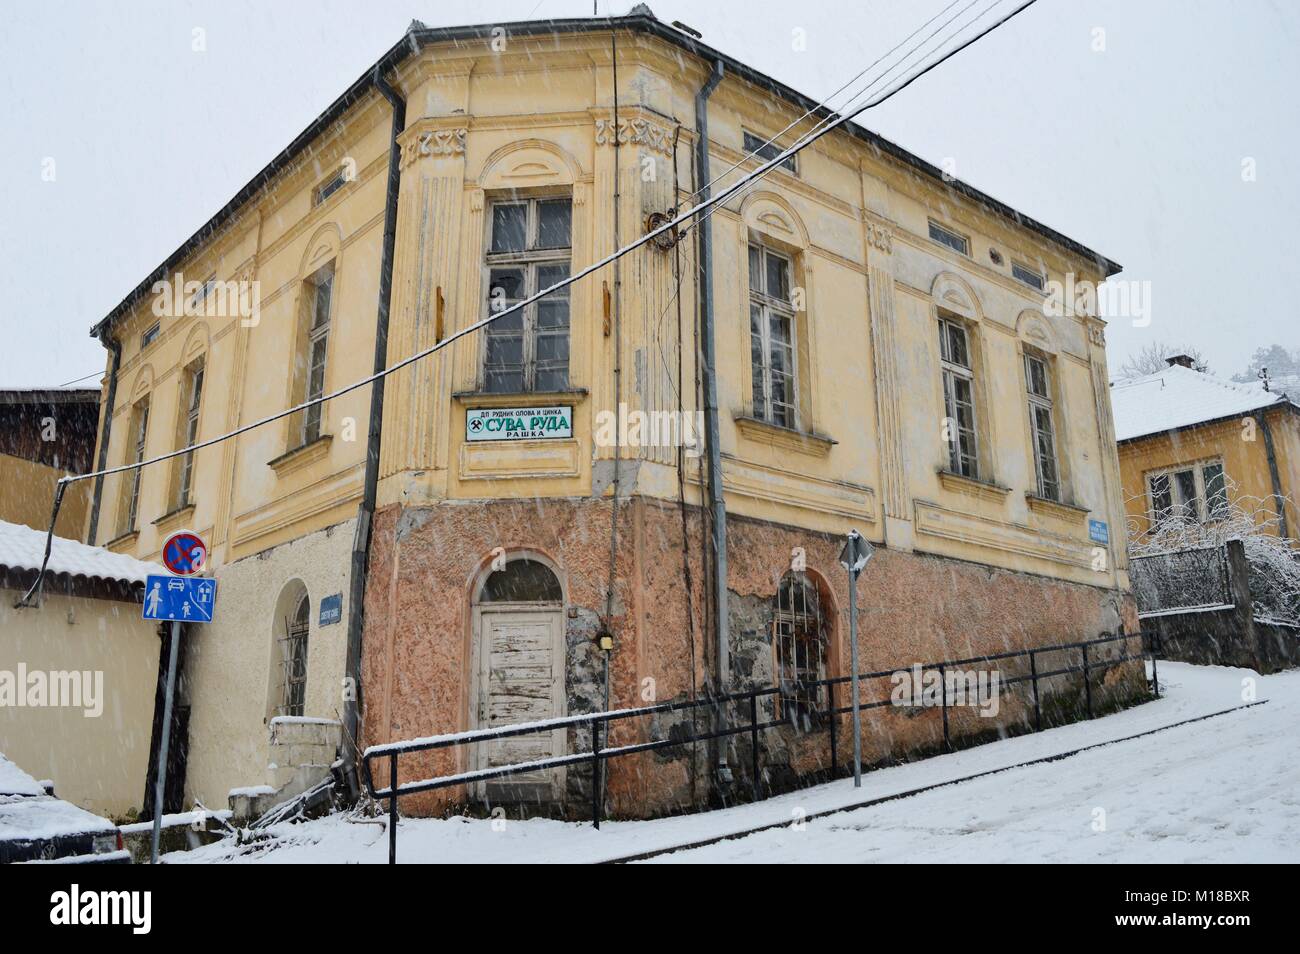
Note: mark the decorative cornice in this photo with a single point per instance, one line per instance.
(635, 132)
(300, 457)
(983, 489)
(1056, 508)
(804, 442)
(880, 238)
(175, 519)
(434, 142)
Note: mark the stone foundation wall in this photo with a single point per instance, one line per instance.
(912, 608)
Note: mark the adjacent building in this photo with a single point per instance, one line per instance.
(1193, 446)
(450, 556)
(78, 671)
(45, 434)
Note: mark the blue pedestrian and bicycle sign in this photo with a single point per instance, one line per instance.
(180, 598)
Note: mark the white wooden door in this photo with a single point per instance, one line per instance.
(521, 679)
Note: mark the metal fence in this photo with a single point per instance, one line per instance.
(746, 703)
(1181, 579)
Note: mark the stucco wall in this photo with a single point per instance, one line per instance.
(228, 667)
(29, 494)
(913, 608)
(99, 762)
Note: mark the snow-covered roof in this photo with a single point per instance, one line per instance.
(22, 548)
(1180, 397)
(14, 781)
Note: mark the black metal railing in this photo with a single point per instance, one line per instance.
(598, 723)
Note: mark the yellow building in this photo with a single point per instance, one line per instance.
(1194, 446)
(45, 434)
(78, 672)
(884, 361)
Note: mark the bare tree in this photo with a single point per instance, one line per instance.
(1152, 359)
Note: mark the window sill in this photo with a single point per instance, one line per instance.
(513, 398)
(123, 542)
(984, 489)
(174, 519)
(786, 438)
(301, 457)
(1056, 508)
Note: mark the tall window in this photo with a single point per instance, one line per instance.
(529, 251)
(1038, 384)
(318, 326)
(771, 337)
(139, 431)
(1197, 492)
(293, 659)
(190, 435)
(800, 639)
(958, 398)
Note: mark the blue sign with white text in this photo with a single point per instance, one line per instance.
(186, 599)
(331, 609)
(1099, 532)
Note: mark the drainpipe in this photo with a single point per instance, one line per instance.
(106, 429)
(709, 360)
(366, 510)
(1279, 501)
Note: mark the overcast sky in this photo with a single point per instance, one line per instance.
(1136, 150)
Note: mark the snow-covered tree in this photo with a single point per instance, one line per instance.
(1151, 359)
(1274, 559)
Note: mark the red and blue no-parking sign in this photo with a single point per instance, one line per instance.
(185, 553)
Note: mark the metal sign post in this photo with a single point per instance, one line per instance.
(161, 775)
(857, 551)
(181, 598)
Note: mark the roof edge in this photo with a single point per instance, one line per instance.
(418, 35)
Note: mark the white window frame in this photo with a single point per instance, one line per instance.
(141, 441)
(317, 354)
(330, 186)
(957, 237)
(1205, 513)
(530, 260)
(185, 484)
(1047, 489)
(1028, 275)
(771, 306)
(952, 371)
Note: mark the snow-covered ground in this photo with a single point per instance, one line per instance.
(1224, 789)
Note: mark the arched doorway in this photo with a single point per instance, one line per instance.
(519, 664)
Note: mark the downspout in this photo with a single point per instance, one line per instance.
(106, 429)
(1279, 500)
(708, 360)
(366, 510)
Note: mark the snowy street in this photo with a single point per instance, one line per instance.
(1225, 789)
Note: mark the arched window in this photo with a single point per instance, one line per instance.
(287, 695)
(522, 581)
(800, 636)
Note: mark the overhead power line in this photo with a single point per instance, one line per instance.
(666, 228)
